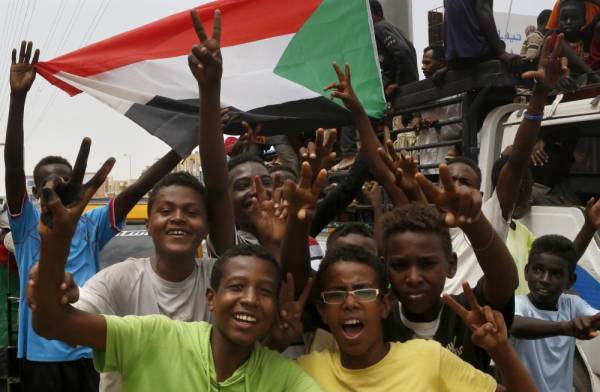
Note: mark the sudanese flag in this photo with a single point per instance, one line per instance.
(277, 57)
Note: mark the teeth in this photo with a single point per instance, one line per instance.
(176, 232)
(351, 322)
(245, 317)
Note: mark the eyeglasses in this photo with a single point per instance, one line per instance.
(338, 296)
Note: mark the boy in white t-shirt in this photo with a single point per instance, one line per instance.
(547, 321)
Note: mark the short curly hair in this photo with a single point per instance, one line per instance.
(556, 245)
(352, 253)
(180, 178)
(420, 219)
(345, 229)
(49, 160)
(257, 251)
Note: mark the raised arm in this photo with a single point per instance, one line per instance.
(206, 65)
(462, 206)
(552, 68)
(370, 143)
(584, 327)
(489, 333)
(125, 201)
(51, 319)
(589, 228)
(300, 199)
(22, 75)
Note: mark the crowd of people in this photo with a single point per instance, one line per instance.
(443, 292)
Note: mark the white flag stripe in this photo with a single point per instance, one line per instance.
(248, 81)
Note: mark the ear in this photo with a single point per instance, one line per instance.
(572, 280)
(210, 299)
(386, 305)
(452, 265)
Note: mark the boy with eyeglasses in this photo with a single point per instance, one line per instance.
(354, 302)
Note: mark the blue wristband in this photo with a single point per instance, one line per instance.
(533, 117)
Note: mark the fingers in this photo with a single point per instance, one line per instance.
(387, 160)
(28, 51)
(532, 75)
(446, 178)
(331, 138)
(36, 57)
(200, 33)
(306, 175)
(391, 150)
(203, 55)
(319, 138)
(470, 296)
(289, 288)
(347, 69)
(430, 190)
(22, 51)
(305, 293)
(14, 56)
(81, 161)
(261, 193)
(51, 207)
(320, 182)
(338, 71)
(95, 182)
(217, 26)
(456, 307)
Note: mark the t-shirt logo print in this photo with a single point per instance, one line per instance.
(454, 348)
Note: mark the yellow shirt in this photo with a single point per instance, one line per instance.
(519, 243)
(414, 366)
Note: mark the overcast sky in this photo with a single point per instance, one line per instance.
(55, 122)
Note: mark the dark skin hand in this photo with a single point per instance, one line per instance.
(343, 90)
(552, 68)
(319, 154)
(584, 327)
(489, 333)
(206, 65)
(51, 318)
(462, 207)
(22, 75)
(404, 167)
(300, 201)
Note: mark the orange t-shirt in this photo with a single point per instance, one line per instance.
(591, 10)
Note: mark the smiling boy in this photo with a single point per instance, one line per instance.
(243, 298)
(354, 302)
(547, 320)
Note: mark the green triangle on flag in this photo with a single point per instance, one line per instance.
(338, 31)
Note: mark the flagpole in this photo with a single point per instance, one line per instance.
(508, 16)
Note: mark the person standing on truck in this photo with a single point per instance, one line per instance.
(471, 36)
(425, 123)
(547, 321)
(534, 41)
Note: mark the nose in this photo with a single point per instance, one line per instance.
(545, 277)
(350, 302)
(413, 276)
(249, 297)
(178, 215)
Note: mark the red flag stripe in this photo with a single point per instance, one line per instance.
(243, 21)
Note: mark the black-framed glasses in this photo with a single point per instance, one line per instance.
(336, 297)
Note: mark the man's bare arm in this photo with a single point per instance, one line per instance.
(22, 75)
(127, 199)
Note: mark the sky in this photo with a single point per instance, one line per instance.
(55, 123)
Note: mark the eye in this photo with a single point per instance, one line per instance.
(236, 287)
(266, 292)
(398, 266)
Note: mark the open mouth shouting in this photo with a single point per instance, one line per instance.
(352, 328)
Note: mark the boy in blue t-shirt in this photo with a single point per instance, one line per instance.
(48, 364)
(547, 320)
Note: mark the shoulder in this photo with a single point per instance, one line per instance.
(317, 360)
(126, 269)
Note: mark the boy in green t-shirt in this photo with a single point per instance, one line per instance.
(355, 301)
(154, 352)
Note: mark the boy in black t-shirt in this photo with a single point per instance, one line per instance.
(418, 254)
